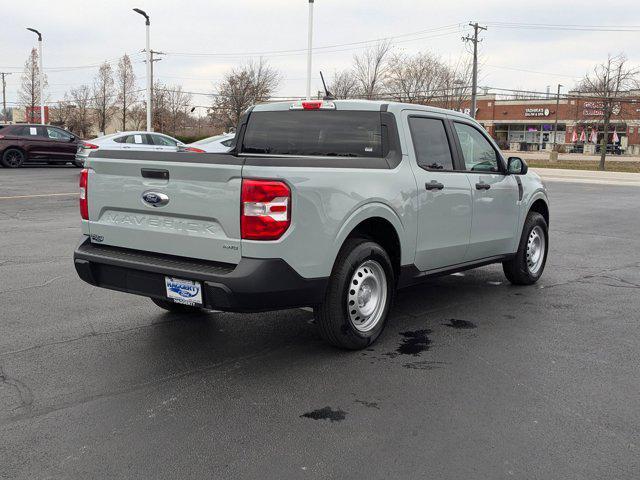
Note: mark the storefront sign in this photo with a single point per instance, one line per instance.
(536, 112)
(596, 109)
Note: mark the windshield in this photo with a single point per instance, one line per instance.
(342, 133)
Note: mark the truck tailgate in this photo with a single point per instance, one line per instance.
(200, 220)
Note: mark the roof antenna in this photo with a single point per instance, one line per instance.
(327, 94)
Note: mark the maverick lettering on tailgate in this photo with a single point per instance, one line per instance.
(162, 223)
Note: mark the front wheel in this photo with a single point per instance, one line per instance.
(530, 259)
(175, 307)
(359, 296)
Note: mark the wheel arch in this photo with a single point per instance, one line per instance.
(380, 223)
(540, 206)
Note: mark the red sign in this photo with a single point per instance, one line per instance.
(33, 115)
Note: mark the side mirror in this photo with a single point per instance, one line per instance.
(73, 138)
(517, 166)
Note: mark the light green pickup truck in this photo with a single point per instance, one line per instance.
(328, 204)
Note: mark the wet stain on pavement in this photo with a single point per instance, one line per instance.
(368, 404)
(414, 343)
(460, 324)
(326, 413)
(425, 365)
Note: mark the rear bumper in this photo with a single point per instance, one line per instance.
(255, 284)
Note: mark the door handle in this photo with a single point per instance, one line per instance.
(482, 186)
(433, 185)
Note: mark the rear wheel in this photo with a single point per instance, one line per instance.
(529, 262)
(359, 296)
(175, 307)
(12, 158)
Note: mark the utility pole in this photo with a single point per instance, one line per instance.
(555, 127)
(4, 96)
(474, 82)
(309, 49)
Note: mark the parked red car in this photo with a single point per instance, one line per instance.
(26, 143)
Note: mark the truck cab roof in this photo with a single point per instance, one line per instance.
(364, 105)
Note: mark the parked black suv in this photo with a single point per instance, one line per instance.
(24, 143)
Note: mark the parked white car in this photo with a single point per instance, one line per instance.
(216, 144)
(137, 141)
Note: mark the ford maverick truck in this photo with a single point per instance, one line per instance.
(327, 204)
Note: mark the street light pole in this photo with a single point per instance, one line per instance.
(310, 43)
(555, 127)
(148, 51)
(41, 73)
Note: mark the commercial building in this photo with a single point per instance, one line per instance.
(531, 124)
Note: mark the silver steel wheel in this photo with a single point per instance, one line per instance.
(367, 296)
(536, 246)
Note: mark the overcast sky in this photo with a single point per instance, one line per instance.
(84, 33)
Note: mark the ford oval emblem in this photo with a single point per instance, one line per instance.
(155, 199)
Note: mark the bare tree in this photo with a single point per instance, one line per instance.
(137, 116)
(417, 78)
(243, 86)
(80, 120)
(160, 109)
(61, 113)
(177, 103)
(608, 84)
(29, 93)
(126, 84)
(344, 85)
(104, 98)
(371, 68)
(456, 86)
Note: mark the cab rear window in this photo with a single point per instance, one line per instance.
(339, 133)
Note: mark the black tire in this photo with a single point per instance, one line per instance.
(175, 307)
(517, 270)
(333, 316)
(12, 158)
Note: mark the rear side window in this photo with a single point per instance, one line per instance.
(136, 138)
(430, 143)
(334, 133)
(28, 131)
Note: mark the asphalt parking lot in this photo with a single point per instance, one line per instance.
(472, 379)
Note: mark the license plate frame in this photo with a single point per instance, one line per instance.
(183, 291)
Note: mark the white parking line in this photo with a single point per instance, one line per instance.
(41, 195)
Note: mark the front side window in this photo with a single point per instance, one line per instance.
(430, 143)
(162, 141)
(57, 134)
(478, 153)
(333, 133)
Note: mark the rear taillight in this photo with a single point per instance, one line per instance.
(89, 146)
(84, 208)
(1, 137)
(266, 209)
(192, 150)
